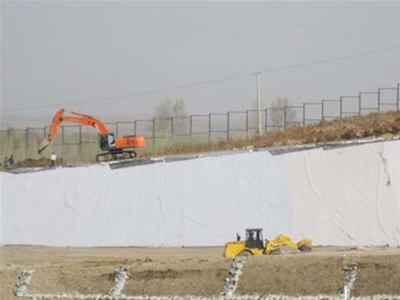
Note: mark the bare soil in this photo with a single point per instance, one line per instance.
(197, 271)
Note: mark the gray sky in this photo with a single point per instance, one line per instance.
(103, 57)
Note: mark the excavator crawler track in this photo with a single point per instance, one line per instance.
(116, 155)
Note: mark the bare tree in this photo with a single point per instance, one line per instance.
(171, 116)
(281, 114)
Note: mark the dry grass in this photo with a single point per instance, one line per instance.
(350, 128)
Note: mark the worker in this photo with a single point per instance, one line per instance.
(53, 159)
(11, 161)
(251, 236)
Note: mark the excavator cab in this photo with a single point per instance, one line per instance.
(254, 238)
(107, 141)
(252, 245)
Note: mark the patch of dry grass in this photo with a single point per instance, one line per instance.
(373, 125)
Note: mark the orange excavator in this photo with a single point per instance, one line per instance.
(116, 148)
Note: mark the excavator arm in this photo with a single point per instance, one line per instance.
(77, 118)
(275, 244)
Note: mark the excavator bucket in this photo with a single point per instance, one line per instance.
(274, 246)
(44, 145)
(304, 245)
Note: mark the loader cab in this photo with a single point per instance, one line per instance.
(107, 141)
(254, 238)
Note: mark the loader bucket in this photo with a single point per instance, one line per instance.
(304, 245)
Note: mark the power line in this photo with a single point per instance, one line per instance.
(211, 81)
(329, 60)
(113, 98)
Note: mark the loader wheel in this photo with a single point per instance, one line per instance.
(245, 254)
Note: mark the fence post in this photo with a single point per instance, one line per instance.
(26, 142)
(379, 100)
(341, 106)
(227, 126)
(209, 129)
(80, 143)
(284, 118)
(62, 141)
(172, 127)
(247, 124)
(154, 134)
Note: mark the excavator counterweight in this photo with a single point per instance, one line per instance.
(115, 148)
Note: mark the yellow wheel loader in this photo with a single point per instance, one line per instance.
(254, 244)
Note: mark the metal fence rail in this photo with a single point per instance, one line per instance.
(77, 143)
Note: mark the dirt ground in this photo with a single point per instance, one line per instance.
(197, 271)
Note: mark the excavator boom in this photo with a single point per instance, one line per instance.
(79, 118)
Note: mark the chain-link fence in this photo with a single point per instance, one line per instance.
(76, 143)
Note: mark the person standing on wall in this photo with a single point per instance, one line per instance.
(11, 161)
(53, 159)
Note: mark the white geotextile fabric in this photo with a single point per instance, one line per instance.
(346, 196)
(195, 202)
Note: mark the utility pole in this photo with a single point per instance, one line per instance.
(257, 74)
